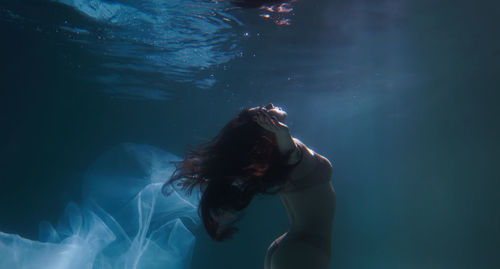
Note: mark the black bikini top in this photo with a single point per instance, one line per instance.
(322, 172)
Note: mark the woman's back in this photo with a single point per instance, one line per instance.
(309, 199)
(311, 210)
(308, 196)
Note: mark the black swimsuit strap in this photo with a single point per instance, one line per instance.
(320, 173)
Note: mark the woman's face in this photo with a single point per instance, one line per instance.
(273, 111)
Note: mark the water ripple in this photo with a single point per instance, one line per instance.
(177, 40)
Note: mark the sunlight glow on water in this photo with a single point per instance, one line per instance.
(279, 13)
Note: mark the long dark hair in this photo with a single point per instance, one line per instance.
(241, 161)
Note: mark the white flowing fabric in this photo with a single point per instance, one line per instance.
(124, 223)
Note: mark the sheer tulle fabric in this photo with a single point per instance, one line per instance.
(125, 221)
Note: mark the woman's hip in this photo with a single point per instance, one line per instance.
(299, 250)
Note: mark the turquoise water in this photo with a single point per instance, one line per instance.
(400, 95)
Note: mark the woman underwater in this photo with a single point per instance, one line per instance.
(256, 154)
(147, 223)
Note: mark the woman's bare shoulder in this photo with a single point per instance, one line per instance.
(310, 161)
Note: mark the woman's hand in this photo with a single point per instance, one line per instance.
(284, 139)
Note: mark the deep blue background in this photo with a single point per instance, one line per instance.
(402, 96)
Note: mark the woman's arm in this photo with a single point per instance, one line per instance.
(284, 139)
(300, 157)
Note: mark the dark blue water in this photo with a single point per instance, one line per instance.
(402, 96)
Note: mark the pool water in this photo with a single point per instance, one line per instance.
(401, 96)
